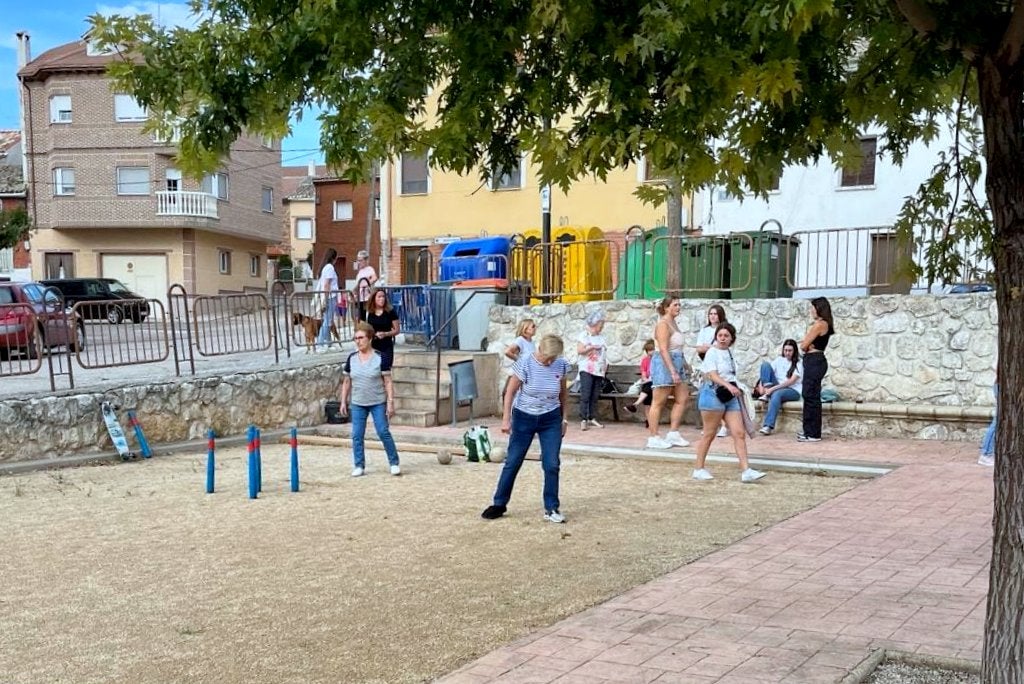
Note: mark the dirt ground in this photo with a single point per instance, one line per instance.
(131, 573)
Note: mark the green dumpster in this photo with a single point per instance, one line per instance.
(642, 267)
(704, 268)
(757, 264)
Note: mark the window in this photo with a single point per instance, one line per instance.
(376, 208)
(342, 210)
(60, 109)
(650, 173)
(59, 265)
(304, 229)
(127, 109)
(216, 184)
(63, 181)
(865, 174)
(268, 200)
(415, 177)
(508, 179)
(132, 180)
(254, 265)
(224, 261)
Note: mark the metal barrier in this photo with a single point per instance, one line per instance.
(580, 270)
(123, 345)
(305, 314)
(232, 324)
(20, 347)
(709, 267)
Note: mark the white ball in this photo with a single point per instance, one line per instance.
(444, 456)
(497, 454)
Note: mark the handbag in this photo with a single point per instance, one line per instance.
(723, 394)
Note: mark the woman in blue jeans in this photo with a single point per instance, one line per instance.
(535, 405)
(367, 382)
(988, 444)
(779, 382)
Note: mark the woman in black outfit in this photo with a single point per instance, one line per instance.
(815, 366)
(386, 327)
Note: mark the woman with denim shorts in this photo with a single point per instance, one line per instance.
(668, 373)
(719, 369)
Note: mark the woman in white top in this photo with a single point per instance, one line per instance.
(593, 362)
(720, 376)
(668, 373)
(521, 346)
(327, 287)
(706, 338)
(779, 382)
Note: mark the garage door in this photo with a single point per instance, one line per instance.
(145, 274)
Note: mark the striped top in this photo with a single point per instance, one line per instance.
(542, 384)
(367, 378)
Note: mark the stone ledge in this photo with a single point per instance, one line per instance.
(967, 414)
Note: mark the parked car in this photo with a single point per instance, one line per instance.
(114, 301)
(52, 323)
(967, 288)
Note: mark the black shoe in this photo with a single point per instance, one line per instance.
(630, 407)
(493, 512)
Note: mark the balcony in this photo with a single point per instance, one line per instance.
(195, 204)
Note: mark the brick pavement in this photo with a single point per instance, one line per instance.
(900, 562)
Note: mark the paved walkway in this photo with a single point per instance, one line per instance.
(900, 562)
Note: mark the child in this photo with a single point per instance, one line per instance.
(644, 398)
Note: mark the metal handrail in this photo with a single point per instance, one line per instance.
(442, 328)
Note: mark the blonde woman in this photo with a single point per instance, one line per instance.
(523, 344)
(535, 406)
(668, 373)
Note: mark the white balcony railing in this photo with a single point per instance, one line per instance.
(199, 204)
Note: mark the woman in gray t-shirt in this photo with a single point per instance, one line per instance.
(367, 381)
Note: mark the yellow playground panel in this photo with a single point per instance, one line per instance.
(581, 264)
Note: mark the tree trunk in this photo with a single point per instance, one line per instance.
(674, 224)
(1001, 89)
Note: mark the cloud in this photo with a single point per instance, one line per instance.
(166, 14)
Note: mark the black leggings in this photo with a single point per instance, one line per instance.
(590, 390)
(815, 367)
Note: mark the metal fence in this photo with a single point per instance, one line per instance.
(577, 270)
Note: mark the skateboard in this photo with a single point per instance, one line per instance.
(117, 435)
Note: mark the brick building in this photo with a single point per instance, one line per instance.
(341, 214)
(14, 261)
(108, 201)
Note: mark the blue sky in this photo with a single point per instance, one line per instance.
(54, 22)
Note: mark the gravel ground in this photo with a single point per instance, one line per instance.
(902, 673)
(131, 573)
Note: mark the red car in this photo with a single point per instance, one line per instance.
(18, 329)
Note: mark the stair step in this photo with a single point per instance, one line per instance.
(419, 388)
(414, 418)
(415, 403)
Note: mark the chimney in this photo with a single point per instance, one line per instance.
(24, 51)
(311, 169)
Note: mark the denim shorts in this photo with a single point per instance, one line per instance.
(707, 401)
(661, 376)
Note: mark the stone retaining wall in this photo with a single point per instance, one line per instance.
(890, 349)
(70, 422)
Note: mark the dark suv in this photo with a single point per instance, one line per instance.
(113, 301)
(28, 310)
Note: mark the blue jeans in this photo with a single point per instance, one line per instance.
(548, 428)
(324, 337)
(988, 444)
(380, 424)
(777, 398)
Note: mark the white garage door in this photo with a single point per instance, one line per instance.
(145, 274)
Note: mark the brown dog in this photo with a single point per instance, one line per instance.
(311, 328)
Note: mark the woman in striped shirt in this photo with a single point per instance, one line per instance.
(535, 405)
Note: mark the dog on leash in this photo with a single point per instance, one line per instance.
(311, 329)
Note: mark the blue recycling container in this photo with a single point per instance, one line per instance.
(475, 259)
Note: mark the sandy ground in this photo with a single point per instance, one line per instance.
(131, 573)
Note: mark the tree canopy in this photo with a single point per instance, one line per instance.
(718, 92)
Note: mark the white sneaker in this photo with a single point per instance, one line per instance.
(751, 475)
(594, 423)
(396, 470)
(702, 474)
(554, 516)
(584, 425)
(357, 472)
(723, 432)
(765, 430)
(984, 460)
(676, 439)
(657, 443)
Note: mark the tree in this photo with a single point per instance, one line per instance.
(15, 226)
(713, 91)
